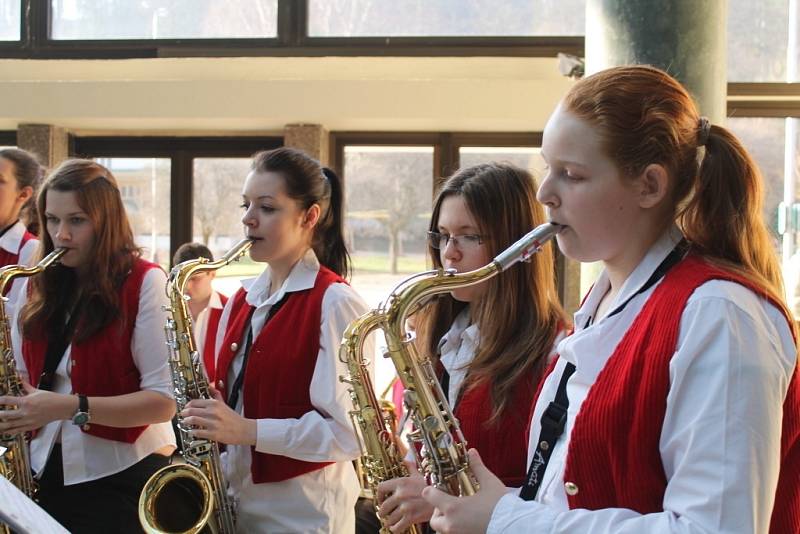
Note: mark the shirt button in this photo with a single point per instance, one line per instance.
(571, 488)
(234, 347)
(220, 384)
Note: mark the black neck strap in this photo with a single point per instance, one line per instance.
(233, 396)
(554, 418)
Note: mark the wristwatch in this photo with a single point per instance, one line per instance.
(81, 417)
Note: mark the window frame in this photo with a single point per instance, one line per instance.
(292, 40)
(181, 151)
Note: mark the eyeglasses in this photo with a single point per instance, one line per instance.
(461, 242)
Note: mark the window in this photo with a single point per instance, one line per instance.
(163, 19)
(414, 18)
(164, 179)
(10, 20)
(759, 41)
(145, 188)
(217, 218)
(524, 157)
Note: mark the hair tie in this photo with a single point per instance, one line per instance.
(703, 131)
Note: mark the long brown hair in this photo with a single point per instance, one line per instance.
(28, 173)
(519, 314)
(114, 252)
(309, 183)
(645, 116)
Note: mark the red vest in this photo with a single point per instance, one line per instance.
(503, 445)
(102, 366)
(9, 258)
(613, 454)
(210, 340)
(279, 369)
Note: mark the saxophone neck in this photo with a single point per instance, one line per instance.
(181, 273)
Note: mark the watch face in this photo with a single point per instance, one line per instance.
(80, 418)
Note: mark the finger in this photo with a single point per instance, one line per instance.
(437, 498)
(388, 506)
(437, 521)
(412, 469)
(400, 526)
(386, 488)
(8, 400)
(397, 520)
(215, 394)
(477, 466)
(28, 387)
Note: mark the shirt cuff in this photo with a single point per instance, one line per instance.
(271, 435)
(511, 512)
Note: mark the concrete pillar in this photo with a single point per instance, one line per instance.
(49, 143)
(687, 38)
(312, 139)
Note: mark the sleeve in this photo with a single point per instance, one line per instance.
(26, 255)
(325, 434)
(728, 380)
(16, 333)
(148, 342)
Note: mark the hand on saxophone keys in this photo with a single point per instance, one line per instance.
(401, 502)
(213, 419)
(466, 515)
(34, 409)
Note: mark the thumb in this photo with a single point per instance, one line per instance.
(436, 498)
(479, 469)
(215, 394)
(412, 468)
(28, 388)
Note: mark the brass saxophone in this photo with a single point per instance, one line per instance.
(381, 458)
(15, 462)
(198, 486)
(442, 456)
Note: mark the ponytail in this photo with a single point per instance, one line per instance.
(329, 243)
(723, 217)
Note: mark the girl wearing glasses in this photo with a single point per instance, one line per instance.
(680, 383)
(89, 342)
(279, 403)
(491, 342)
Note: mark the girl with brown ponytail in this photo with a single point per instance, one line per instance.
(278, 402)
(678, 392)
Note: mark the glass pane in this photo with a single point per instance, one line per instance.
(388, 205)
(10, 20)
(145, 187)
(163, 19)
(365, 18)
(524, 157)
(217, 219)
(758, 35)
(766, 140)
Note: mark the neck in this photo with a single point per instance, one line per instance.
(196, 305)
(279, 269)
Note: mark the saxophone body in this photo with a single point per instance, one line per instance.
(373, 420)
(442, 455)
(15, 459)
(197, 487)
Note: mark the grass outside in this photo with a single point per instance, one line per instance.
(373, 263)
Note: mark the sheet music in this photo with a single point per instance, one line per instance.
(22, 514)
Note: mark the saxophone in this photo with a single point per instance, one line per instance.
(14, 460)
(442, 455)
(380, 458)
(198, 486)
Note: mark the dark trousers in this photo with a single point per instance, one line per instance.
(109, 504)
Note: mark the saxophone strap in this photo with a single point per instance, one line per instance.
(554, 418)
(233, 396)
(58, 339)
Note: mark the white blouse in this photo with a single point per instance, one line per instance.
(87, 457)
(458, 347)
(322, 500)
(720, 440)
(10, 241)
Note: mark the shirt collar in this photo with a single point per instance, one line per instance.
(652, 259)
(215, 301)
(11, 240)
(301, 277)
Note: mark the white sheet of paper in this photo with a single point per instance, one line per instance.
(22, 514)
